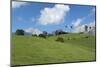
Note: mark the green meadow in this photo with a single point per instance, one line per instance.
(37, 50)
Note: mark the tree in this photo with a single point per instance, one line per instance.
(45, 33)
(60, 31)
(90, 28)
(86, 28)
(19, 32)
(71, 27)
(60, 39)
(34, 35)
(42, 35)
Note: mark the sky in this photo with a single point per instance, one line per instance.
(38, 17)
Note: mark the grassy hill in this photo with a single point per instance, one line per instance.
(37, 50)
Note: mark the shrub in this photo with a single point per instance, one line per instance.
(68, 38)
(86, 37)
(60, 39)
(81, 32)
(19, 32)
(34, 35)
(59, 32)
(42, 35)
(45, 33)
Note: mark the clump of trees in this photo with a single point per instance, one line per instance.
(42, 35)
(81, 32)
(59, 32)
(34, 35)
(60, 39)
(86, 28)
(19, 32)
(86, 36)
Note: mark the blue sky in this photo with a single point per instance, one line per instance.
(50, 17)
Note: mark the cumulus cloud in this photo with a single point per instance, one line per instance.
(78, 27)
(77, 22)
(18, 4)
(33, 31)
(54, 15)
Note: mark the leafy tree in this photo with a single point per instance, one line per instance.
(60, 39)
(45, 33)
(81, 32)
(19, 32)
(58, 32)
(42, 35)
(86, 28)
(34, 35)
(90, 28)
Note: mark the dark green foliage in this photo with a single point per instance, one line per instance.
(86, 36)
(45, 33)
(81, 32)
(19, 32)
(42, 35)
(68, 38)
(34, 35)
(60, 39)
(58, 32)
(86, 28)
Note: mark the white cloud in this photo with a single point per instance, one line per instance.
(54, 15)
(33, 31)
(18, 4)
(78, 27)
(77, 22)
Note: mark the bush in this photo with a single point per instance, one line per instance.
(60, 39)
(68, 38)
(34, 35)
(86, 37)
(42, 35)
(59, 32)
(81, 32)
(19, 32)
(45, 33)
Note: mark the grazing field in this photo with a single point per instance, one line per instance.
(37, 50)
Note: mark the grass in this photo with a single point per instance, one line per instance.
(37, 50)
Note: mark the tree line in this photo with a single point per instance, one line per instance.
(43, 34)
